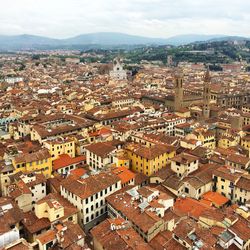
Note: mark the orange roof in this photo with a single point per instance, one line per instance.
(78, 172)
(65, 160)
(15, 91)
(46, 237)
(216, 230)
(124, 174)
(191, 207)
(206, 202)
(102, 131)
(215, 198)
(59, 227)
(117, 221)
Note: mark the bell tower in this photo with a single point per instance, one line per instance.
(206, 95)
(178, 87)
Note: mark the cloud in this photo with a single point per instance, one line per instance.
(155, 18)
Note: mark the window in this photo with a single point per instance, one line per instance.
(186, 190)
(87, 210)
(49, 245)
(176, 237)
(87, 219)
(92, 208)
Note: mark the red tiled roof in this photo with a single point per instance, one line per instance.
(124, 174)
(102, 131)
(65, 160)
(191, 207)
(78, 172)
(215, 198)
(47, 237)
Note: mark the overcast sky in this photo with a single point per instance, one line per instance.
(153, 18)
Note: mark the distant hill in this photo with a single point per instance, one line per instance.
(191, 38)
(25, 41)
(111, 38)
(229, 38)
(101, 39)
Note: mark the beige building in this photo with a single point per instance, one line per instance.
(242, 190)
(232, 183)
(55, 208)
(195, 185)
(184, 164)
(89, 196)
(238, 161)
(100, 155)
(50, 210)
(6, 171)
(27, 189)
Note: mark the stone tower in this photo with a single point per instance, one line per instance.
(206, 95)
(178, 86)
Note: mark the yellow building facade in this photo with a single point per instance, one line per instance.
(226, 142)
(149, 160)
(208, 140)
(245, 142)
(38, 162)
(61, 146)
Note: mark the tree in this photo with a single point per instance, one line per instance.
(35, 57)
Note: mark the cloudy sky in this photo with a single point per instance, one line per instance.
(153, 18)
